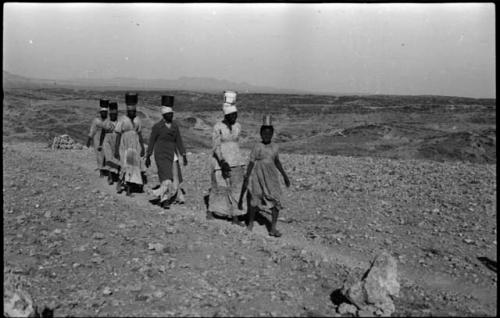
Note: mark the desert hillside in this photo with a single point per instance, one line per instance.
(413, 176)
(401, 127)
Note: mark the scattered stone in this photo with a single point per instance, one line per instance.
(107, 291)
(98, 236)
(97, 260)
(158, 294)
(158, 247)
(345, 308)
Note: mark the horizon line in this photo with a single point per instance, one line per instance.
(297, 91)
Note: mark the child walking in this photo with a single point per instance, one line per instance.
(262, 179)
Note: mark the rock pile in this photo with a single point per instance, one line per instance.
(65, 142)
(373, 294)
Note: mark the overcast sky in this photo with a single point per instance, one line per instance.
(440, 49)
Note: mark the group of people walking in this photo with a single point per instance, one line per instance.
(240, 189)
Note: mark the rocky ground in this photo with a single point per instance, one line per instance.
(83, 250)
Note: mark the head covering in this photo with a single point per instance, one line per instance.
(167, 101)
(131, 99)
(166, 109)
(230, 97)
(113, 106)
(267, 120)
(228, 108)
(104, 103)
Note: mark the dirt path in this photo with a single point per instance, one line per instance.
(90, 251)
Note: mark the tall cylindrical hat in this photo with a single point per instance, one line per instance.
(230, 97)
(104, 103)
(167, 102)
(131, 99)
(113, 107)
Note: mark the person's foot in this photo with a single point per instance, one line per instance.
(165, 205)
(127, 188)
(210, 215)
(275, 233)
(119, 188)
(250, 227)
(237, 222)
(155, 201)
(110, 179)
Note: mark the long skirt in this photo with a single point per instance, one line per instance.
(98, 154)
(130, 159)
(225, 193)
(170, 189)
(264, 186)
(108, 148)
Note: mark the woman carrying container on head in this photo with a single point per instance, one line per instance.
(227, 164)
(129, 147)
(108, 141)
(95, 133)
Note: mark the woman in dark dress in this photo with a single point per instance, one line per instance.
(166, 142)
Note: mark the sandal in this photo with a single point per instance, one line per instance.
(275, 233)
(165, 205)
(239, 223)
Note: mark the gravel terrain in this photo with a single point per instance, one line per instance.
(83, 250)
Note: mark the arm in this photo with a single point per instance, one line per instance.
(89, 140)
(142, 143)
(245, 184)
(118, 131)
(152, 141)
(117, 145)
(180, 144)
(93, 130)
(101, 138)
(151, 145)
(277, 162)
(216, 147)
(216, 144)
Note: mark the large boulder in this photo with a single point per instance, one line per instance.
(17, 303)
(377, 288)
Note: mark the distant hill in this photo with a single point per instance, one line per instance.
(199, 84)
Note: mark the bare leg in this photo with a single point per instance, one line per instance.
(119, 186)
(236, 221)
(251, 217)
(274, 220)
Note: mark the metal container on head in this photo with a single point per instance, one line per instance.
(229, 97)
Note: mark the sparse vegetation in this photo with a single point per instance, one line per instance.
(408, 175)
